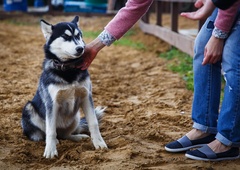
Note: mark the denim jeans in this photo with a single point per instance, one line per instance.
(207, 114)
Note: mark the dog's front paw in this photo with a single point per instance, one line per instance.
(99, 143)
(50, 151)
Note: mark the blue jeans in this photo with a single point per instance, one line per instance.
(207, 114)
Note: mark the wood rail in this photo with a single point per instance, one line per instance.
(172, 36)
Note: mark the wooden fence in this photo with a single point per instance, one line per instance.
(172, 36)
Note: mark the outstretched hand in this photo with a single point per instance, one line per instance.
(90, 53)
(205, 8)
(88, 57)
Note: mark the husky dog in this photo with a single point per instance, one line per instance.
(54, 112)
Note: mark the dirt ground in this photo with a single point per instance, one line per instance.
(147, 105)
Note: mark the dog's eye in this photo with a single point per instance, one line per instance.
(67, 37)
(78, 36)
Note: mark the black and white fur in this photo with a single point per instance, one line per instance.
(54, 112)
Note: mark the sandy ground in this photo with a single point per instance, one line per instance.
(145, 104)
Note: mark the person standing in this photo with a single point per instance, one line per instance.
(217, 49)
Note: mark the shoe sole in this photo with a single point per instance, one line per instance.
(183, 149)
(206, 159)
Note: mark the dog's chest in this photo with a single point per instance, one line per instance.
(67, 98)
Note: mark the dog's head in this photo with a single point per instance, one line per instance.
(64, 40)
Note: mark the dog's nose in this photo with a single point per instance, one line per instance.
(79, 49)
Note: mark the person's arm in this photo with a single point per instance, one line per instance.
(225, 19)
(223, 24)
(116, 28)
(205, 9)
(127, 17)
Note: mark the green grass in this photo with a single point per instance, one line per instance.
(19, 22)
(181, 63)
(91, 34)
(124, 41)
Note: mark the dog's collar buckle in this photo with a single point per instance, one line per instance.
(64, 66)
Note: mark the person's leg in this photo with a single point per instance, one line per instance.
(207, 84)
(229, 117)
(227, 142)
(206, 95)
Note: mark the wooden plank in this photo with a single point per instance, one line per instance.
(182, 42)
(145, 17)
(174, 16)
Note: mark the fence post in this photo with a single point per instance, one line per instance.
(174, 16)
(159, 7)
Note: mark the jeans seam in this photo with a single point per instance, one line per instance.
(209, 96)
(236, 109)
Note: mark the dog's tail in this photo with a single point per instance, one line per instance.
(83, 127)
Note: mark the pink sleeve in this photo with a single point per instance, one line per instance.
(127, 17)
(225, 18)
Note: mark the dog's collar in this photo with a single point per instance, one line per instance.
(69, 65)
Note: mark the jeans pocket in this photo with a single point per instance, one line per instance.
(210, 25)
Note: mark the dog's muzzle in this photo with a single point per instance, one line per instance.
(80, 50)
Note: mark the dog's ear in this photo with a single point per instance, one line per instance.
(76, 20)
(46, 29)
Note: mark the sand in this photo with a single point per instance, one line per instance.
(147, 105)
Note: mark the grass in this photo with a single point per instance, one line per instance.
(19, 22)
(124, 41)
(181, 63)
(91, 34)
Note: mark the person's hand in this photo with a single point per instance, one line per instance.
(88, 57)
(213, 50)
(90, 53)
(205, 9)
